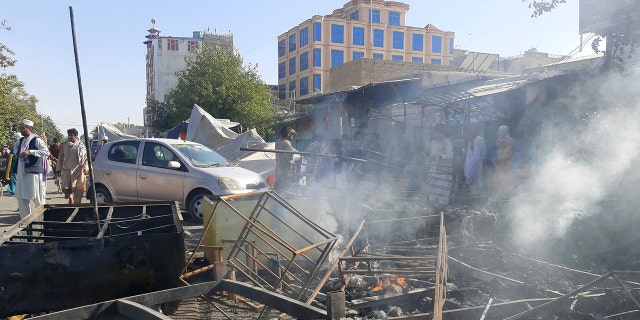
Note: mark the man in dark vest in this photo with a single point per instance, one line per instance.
(31, 183)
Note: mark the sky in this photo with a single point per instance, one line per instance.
(112, 56)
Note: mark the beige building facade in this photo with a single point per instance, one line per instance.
(372, 29)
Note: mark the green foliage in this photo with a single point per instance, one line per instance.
(216, 80)
(158, 115)
(541, 6)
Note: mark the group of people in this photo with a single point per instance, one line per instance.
(30, 167)
(469, 153)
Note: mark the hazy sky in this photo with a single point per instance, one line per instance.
(112, 56)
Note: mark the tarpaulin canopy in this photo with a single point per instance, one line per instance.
(113, 133)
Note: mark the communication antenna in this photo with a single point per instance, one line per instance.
(153, 23)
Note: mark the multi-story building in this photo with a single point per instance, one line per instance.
(360, 29)
(166, 55)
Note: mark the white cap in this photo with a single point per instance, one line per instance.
(105, 138)
(17, 136)
(27, 122)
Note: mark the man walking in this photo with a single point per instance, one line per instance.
(31, 178)
(73, 165)
(283, 160)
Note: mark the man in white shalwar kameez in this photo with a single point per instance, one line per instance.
(31, 176)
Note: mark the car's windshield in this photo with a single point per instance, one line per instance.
(201, 156)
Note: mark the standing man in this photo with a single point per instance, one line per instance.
(283, 160)
(73, 165)
(54, 152)
(473, 166)
(31, 178)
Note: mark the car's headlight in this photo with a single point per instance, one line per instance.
(227, 183)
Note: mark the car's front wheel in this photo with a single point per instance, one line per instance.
(103, 195)
(196, 206)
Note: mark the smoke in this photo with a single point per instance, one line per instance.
(585, 156)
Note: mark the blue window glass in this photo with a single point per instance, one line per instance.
(292, 89)
(436, 61)
(317, 31)
(436, 44)
(292, 42)
(282, 71)
(292, 66)
(396, 58)
(394, 18)
(304, 61)
(358, 36)
(451, 63)
(281, 46)
(337, 58)
(378, 38)
(354, 15)
(416, 60)
(357, 55)
(450, 46)
(337, 33)
(317, 84)
(317, 57)
(374, 15)
(304, 36)
(304, 86)
(378, 56)
(418, 42)
(282, 91)
(398, 40)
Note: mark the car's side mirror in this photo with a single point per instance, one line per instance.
(173, 165)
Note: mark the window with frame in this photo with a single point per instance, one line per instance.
(337, 33)
(451, 63)
(436, 61)
(282, 70)
(304, 61)
(157, 155)
(397, 58)
(292, 88)
(378, 38)
(317, 83)
(172, 44)
(417, 43)
(337, 58)
(378, 56)
(394, 18)
(125, 152)
(304, 36)
(358, 36)
(374, 15)
(282, 91)
(357, 55)
(317, 31)
(292, 66)
(436, 44)
(451, 45)
(160, 43)
(398, 40)
(193, 45)
(304, 86)
(417, 60)
(317, 57)
(281, 48)
(292, 42)
(354, 15)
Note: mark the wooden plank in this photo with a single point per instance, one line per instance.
(105, 225)
(73, 214)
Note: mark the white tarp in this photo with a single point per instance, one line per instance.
(264, 163)
(250, 139)
(114, 134)
(207, 130)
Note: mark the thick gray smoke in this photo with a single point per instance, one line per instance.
(583, 159)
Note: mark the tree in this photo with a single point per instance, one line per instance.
(216, 80)
(541, 6)
(156, 114)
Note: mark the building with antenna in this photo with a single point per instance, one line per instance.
(166, 55)
(372, 29)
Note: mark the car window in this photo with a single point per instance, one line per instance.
(201, 156)
(157, 155)
(125, 151)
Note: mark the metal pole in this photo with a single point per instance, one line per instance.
(84, 117)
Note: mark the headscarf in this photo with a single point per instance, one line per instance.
(503, 135)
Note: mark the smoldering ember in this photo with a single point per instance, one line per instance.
(447, 193)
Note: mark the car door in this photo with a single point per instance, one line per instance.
(156, 181)
(119, 171)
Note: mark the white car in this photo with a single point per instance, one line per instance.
(167, 169)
